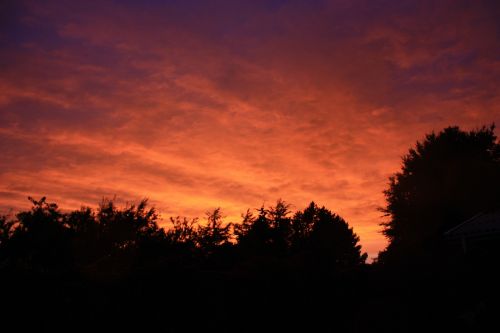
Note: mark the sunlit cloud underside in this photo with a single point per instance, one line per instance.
(197, 105)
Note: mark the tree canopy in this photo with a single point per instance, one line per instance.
(320, 237)
(328, 236)
(444, 180)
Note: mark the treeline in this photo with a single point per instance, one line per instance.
(116, 240)
(115, 268)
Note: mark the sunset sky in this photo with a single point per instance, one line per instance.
(200, 104)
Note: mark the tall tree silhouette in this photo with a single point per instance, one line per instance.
(314, 234)
(266, 234)
(445, 179)
(327, 238)
(213, 236)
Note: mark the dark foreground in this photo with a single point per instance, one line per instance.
(370, 299)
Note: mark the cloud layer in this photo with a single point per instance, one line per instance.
(235, 104)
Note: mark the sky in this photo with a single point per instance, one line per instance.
(201, 104)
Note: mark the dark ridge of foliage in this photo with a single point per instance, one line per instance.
(44, 238)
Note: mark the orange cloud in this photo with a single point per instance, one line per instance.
(236, 105)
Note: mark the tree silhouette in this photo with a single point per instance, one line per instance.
(327, 238)
(214, 234)
(6, 229)
(315, 234)
(444, 180)
(182, 231)
(84, 230)
(266, 234)
(280, 222)
(126, 228)
(242, 229)
(40, 241)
